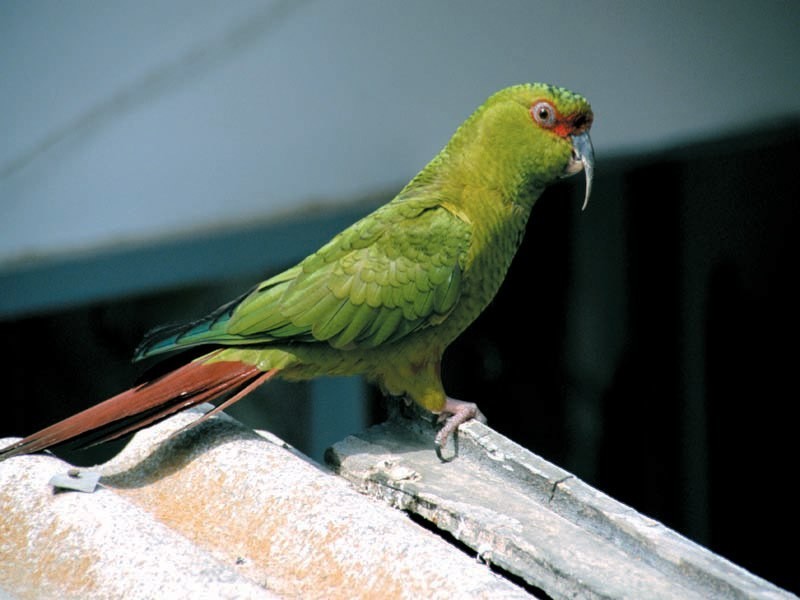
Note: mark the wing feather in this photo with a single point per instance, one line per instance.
(394, 272)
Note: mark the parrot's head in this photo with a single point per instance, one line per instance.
(540, 131)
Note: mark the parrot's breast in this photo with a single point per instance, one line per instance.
(497, 234)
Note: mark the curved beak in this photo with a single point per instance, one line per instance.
(582, 159)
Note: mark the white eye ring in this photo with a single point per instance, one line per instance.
(544, 114)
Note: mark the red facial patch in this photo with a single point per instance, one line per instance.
(561, 125)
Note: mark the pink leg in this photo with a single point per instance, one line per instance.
(459, 412)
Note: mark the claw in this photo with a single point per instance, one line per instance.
(438, 446)
(460, 412)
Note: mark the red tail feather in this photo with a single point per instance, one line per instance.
(145, 404)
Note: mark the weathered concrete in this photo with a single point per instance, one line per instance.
(100, 545)
(536, 520)
(218, 511)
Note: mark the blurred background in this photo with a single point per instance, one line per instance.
(157, 159)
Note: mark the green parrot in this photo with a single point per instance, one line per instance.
(386, 296)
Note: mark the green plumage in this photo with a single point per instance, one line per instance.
(387, 295)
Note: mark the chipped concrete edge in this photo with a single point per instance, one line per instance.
(644, 540)
(636, 534)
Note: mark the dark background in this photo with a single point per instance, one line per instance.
(648, 344)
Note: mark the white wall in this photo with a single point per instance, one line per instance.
(133, 120)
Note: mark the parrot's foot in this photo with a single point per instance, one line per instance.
(459, 412)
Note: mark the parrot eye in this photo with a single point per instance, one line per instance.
(544, 114)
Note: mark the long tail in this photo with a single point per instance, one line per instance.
(145, 404)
